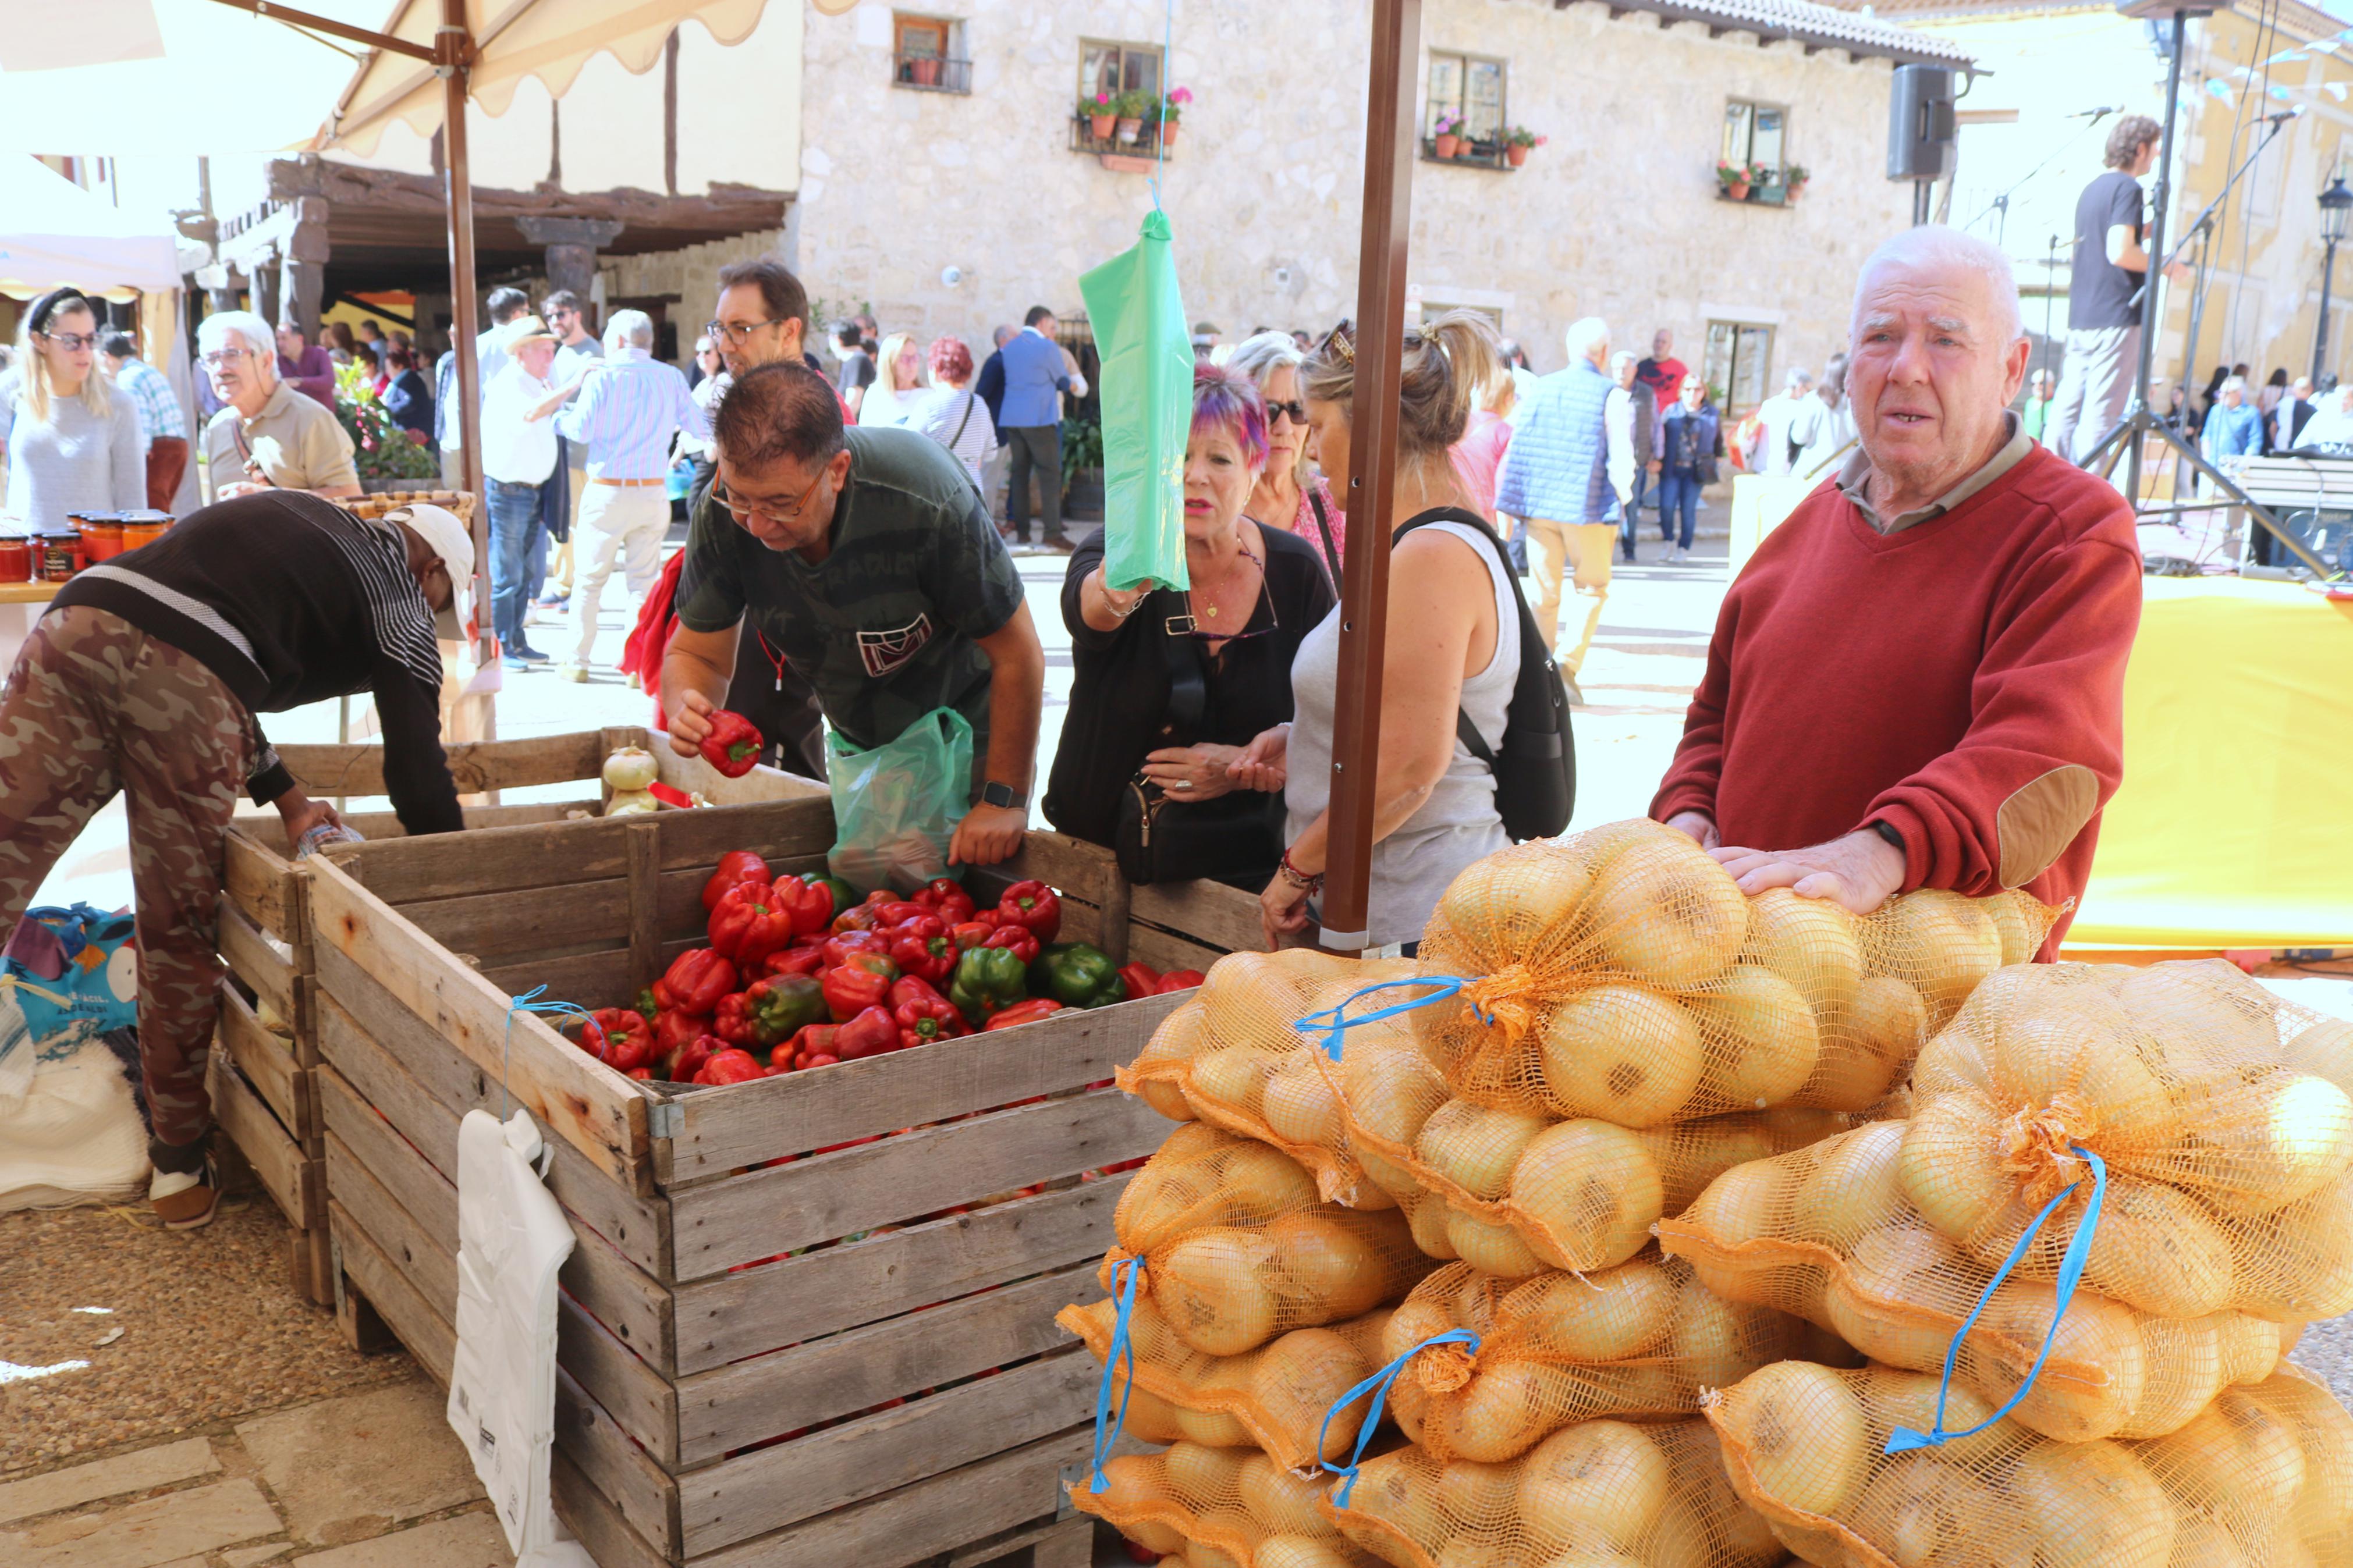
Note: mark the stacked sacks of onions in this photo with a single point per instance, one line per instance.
(1612, 1023)
(2210, 1121)
(1221, 1507)
(2263, 1478)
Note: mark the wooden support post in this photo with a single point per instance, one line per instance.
(645, 901)
(1372, 479)
(453, 50)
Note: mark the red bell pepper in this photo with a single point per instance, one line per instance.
(680, 1065)
(696, 980)
(869, 1033)
(840, 949)
(1021, 1013)
(920, 1022)
(735, 866)
(923, 947)
(1020, 939)
(795, 960)
(746, 928)
(946, 896)
(969, 934)
(1033, 905)
(898, 912)
(675, 1030)
(626, 1038)
(860, 984)
(805, 1049)
(1140, 979)
(731, 1066)
(643, 1075)
(733, 1023)
(911, 988)
(857, 917)
(733, 744)
(1179, 980)
(810, 904)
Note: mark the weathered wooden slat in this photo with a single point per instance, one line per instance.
(746, 1123)
(739, 1498)
(776, 828)
(1150, 945)
(646, 1496)
(590, 980)
(644, 892)
(785, 1208)
(522, 920)
(1082, 869)
(733, 1405)
(741, 1314)
(267, 1063)
(253, 960)
(409, 1231)
(428, 1336)
(920, 1521)
(261, 887)
(570, 1093)
(292, 1180)
(696, 776)
(1209, 913)
(475, 766)
(641, 1400)
(593, 1519)
(608, 1283)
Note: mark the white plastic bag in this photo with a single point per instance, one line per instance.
(74, 1135)
(511, 1239)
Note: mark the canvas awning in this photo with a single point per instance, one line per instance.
(57, 233)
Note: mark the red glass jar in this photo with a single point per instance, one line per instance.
(60, 556)
(15, 558)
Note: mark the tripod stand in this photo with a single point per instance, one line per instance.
(2139, 419)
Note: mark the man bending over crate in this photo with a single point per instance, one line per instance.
(866, 559)
(144, 676)
(1918, 679)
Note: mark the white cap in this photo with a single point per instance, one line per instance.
(447, 537)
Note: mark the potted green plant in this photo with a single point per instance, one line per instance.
(1100, 110)
(1130, 107)
(1446, 135)
(1794, 177)
(1167, 112)
(1519, 141)
(387, 453)
(1733, 179)
(925, 69)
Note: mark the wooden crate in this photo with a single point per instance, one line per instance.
(264, 1089)
(736, 1332)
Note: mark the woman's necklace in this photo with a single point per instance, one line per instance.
(1210, 609)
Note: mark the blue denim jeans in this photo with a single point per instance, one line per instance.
(1633, 511)
(1678, 492)
(516, 530)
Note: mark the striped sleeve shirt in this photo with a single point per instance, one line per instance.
(627, 413)
(151, 394)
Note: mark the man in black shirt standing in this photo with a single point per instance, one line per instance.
(2103, 295)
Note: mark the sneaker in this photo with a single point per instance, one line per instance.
(512, 662)
(552, 602)
(1061, 546)
(575, 673)
(531, 617)
(527, 653)
(184, 1200)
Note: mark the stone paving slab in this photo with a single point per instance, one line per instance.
(461, 1540)
(137, 1472)
(346, 1469)
(143, 1534)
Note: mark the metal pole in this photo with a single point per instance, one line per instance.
(2321, 333)
(1372, 477)
(453, 54)
(2156, 248)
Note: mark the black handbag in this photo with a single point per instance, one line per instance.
(1234, 837)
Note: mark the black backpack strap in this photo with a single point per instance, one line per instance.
(1465, 730)
(1324, 527)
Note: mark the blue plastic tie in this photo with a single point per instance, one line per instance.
(1903, 1440)
(528, 1002)
(1377, 1385)
(1334, 1022)
(1120, 1346)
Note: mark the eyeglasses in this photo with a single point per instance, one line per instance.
(222, 356)
(744, 514)
(740, 332)
(1294, 411)
(72, 342)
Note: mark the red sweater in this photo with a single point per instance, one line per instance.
(1961, 680)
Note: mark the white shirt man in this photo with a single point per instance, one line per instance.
(1775, 416)
(518, 455)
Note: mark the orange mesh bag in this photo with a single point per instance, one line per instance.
(1233, 1057)
(1600, 1494)
(2257, 1479)
(1826, 1233)
(1236, 1246)
(1640, 1340)
(1273, 1398)
(1216, 1504)
(1620, 974)
(2230, 1166)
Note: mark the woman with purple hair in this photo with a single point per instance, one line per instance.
(1171, 684)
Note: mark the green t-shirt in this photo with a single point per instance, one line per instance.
(885, 627)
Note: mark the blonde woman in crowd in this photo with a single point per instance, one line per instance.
(898, 383)
(70, 443)
(1291, 493)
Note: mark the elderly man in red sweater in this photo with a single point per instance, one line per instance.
(1919, 681)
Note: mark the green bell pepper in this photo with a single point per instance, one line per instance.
(844, 896)
(1077, 975)
(987, 980)
(782, 1004)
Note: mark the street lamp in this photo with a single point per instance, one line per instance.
(2336, 208)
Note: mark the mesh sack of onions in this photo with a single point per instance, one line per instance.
(1232, 1058)
(1827, 1233)
(1274, 1398)
(1638, 1340)
(1216, 1505)
(1600, 1494)
(1620, 974)
(2259, 1478)
(1237, 1245)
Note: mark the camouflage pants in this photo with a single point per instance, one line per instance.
(94, 705)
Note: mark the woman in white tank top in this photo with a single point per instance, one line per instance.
(1452, 645)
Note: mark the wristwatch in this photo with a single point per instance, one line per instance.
(994, 793)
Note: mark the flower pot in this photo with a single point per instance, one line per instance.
(1101, 125)
(1130, 127)
(1168, 133)
(1448, 145)
(1737, 190)
(1794, 190)
(927, 72)
(1515, 154)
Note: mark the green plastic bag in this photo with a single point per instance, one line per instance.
(896, 806)
(1147, 408)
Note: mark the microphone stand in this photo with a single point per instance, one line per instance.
(2139, 419)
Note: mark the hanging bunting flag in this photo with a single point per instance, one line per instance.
(2335, 89)
(2281, 93)
(2285, 55)
(2217, 88)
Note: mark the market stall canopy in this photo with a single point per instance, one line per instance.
(121, 79)
(57, 233)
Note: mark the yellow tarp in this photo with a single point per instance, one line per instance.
(2230, 830)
